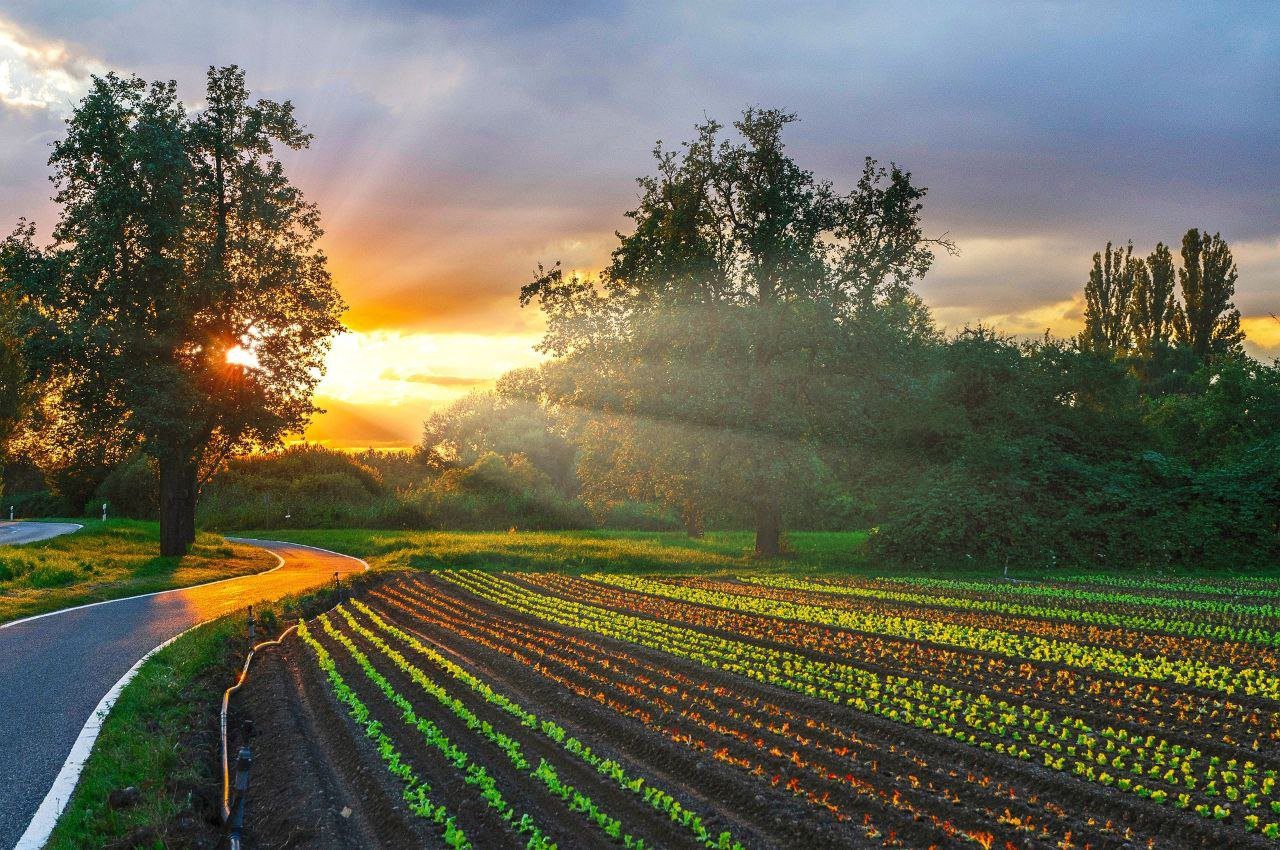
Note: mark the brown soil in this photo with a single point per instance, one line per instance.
(318, 782)
(315, 782)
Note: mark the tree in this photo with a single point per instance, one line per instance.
(184, 299)
(1108, 300)
(730, 316)
(1154, 305)
(14, 388)
(1207, 322)
(482, 423)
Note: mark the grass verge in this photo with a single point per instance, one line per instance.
(109, 560)
(812, 552)
(156, 739)
(161, 737)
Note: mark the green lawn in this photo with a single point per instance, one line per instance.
(812, 552)
(108, 560)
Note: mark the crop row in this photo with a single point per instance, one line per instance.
(416, 790)
(806, 757)
(1236, 586)
(1228, 727)
(475, 773)
(544, 772)
(1249, 681)
(1076, 594)
(1151, 767)
(656, 797)
(1093, 615)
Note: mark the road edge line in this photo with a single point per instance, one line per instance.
(64, 784)
(51, 808)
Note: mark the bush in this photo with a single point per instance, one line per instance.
(641, 516)
(130, 490)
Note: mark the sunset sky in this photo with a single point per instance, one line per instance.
(460, 143)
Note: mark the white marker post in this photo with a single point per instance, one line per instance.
(104, 511)
(11, 513)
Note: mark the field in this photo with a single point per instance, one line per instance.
(584, 551)
(469, 708)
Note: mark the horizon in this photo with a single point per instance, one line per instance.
(1035, 154)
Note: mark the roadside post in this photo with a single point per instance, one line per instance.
(104, 511)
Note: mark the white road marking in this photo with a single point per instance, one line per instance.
(64, 785)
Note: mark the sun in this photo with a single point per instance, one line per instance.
(242, 356)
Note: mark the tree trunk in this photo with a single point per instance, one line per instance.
(768, 530)
(177, 506)
(693, 523)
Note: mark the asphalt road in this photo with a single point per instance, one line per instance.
(29, 532)
(55, 669)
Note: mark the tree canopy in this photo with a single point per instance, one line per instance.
(722, 343)
(183, 304)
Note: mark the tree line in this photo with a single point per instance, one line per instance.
(754, 354)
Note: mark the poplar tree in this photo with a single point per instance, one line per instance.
(1207, 321)
(1154, 305)
(1108, 301)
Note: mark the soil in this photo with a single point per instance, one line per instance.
(318, 782)
(313, 783)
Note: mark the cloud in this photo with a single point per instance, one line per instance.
(449, 381)
(40, 74)
(458, 144)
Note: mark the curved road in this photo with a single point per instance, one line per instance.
(56, 668)
(12, 533)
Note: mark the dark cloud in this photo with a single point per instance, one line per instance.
(459, 143)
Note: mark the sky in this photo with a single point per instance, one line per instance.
(459, 144)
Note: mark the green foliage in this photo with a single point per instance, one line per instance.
(1041, 455)
(510, 421)
(180, 241)
(311, 486)
(130, 490)
(718, 356)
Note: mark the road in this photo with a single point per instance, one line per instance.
(57, 668)
(12, 533)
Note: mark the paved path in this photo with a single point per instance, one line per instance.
(57, 668)
(30, 532)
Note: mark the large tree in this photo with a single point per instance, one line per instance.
(184, 300)
(1208, 322)
(735, 316)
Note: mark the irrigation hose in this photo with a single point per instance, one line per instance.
(226, 699)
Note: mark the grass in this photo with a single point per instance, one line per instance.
(161, 736)
(812, 552)
(108, 560)
(145, 743)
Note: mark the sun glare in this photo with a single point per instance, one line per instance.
(241, 356)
